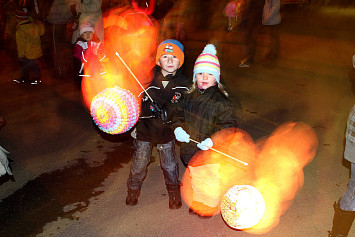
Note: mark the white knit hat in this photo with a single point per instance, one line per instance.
(86, 26)
(207, 62)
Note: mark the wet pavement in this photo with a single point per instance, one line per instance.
(59, 193)
(70, 178)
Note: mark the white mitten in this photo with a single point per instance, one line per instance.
(181, 135)
(205, 144)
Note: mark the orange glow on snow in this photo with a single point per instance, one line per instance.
(133, 36)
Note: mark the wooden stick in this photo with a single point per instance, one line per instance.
(222, 153)
(134, 77)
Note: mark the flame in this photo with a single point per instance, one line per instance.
(279, 169)
(232, 141)
(133, 35)
(275, 168)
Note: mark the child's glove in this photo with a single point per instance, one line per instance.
(181, 135)
(155, 107)
(205, 144)
(159, 111)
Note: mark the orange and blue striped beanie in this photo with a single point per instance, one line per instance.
(208, 62)
(173, 47)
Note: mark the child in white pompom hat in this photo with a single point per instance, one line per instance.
(205, 110)
(85, 45)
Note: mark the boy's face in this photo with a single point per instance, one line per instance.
(205, 80)
(169, 64)
(87, 35)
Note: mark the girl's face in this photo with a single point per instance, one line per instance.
(87, 35)
(169, 64)
(205, 80)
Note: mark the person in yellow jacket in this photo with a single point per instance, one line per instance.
(28, 40)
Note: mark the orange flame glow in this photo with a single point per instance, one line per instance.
(133, 35)
(148, 11)
(275, 168)
(234, 142)
(279, 169)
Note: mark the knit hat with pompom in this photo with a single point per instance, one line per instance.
(21, 14)
(86, 26)
(208, 62)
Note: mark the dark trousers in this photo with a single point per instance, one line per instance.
(28, 65)
(251, 37)
(273, 32)
(252, 24)
(141, 160)
(251, 42)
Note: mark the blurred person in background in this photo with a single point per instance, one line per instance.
(4, 162)
(261, 13)
(271, 22)
(345, 209)
(87, 10)
(28, 40)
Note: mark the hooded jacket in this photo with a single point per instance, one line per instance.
(202, 114)
(89, 10)
(150, 127)
(28, 39)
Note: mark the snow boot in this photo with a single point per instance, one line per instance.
(132, 197)
(342, 222)
(174, 196)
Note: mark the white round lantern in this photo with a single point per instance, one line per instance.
(242, 207)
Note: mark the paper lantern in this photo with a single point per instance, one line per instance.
(115, 110)
(242, 207)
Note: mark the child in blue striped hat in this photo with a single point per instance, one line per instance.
(153, 128)
(203, 111)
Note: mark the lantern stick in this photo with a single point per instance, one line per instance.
(222, 153)
(134, 77)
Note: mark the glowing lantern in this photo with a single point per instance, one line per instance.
(242, 207)
(115, 110)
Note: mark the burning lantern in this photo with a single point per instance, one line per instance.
(242, 207)
(115, 110)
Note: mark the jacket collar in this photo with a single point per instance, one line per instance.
(160, 76)
(24, 22)
(210, 89)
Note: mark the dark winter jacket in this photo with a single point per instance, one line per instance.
(201, 115)
(150, 126)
